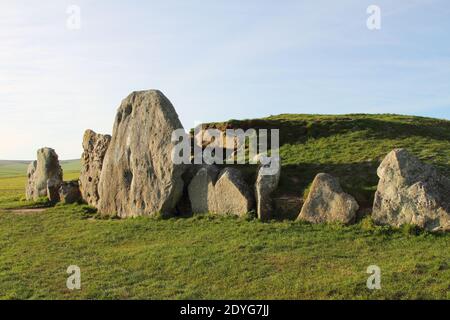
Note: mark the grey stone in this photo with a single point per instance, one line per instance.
(232, 194)
(94, 151)
(69, 192)
(138, 175)
(411, 192)
(266, 183)
(45, 168)
(29, 191)
(326, 202)
(201, 190)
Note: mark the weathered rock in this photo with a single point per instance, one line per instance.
(201, 190)
(232, 194)
(53, 186)
(266, 183)
(327, 202)
(138, 175)
(94, 151)
(411, 192)
(69, 192)
(30, 180)
(39, 172)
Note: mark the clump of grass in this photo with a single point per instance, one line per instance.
(410, 229)
(367, 224)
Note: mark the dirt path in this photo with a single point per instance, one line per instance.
(26, 211)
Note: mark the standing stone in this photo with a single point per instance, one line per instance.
(266, 183)
(232, 194)
(69, 192)
(94, 151)
(411, 192)
(327, 202)
(29, 192)
(39, 172)
(138, 175)
(201, 190)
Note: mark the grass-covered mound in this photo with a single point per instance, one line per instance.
(350, 147)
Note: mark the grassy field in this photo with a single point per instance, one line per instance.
(11, 168)
(210, 257)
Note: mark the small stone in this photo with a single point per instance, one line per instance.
(69, 192)
(232, 194)
(201, 190)
(327, 202)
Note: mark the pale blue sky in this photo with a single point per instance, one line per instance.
(215, 60)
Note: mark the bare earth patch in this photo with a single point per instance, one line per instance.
(26, 211)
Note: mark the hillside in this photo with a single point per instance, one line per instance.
(14, 168)
(349, 147)
(13, 177)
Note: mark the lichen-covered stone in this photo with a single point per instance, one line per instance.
(45, 168)
(232, 194)
(138, 175)
(411, 192)
(94, 151)
(201, 189)
(326, 202)
(266, 183)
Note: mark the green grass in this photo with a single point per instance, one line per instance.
(209, 257)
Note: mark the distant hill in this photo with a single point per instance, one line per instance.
(12, 168)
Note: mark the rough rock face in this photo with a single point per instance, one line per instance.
(138, 175)
(69, 192)
(411, 192)
(266, 183)
(201, 189)
(29, 191)
(94, 151)
(327, 202)
(222, 193)
(53, 186)
(232, 194)
(39, 172)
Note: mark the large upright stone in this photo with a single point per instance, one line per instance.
(327, 202)
(45, 169)
(94, 151)
(232, 194)
(266, 183)
(138, 175)
(411, 192)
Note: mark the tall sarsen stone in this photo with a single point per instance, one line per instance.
(138, 175)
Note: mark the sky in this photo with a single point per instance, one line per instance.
(215, 60)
